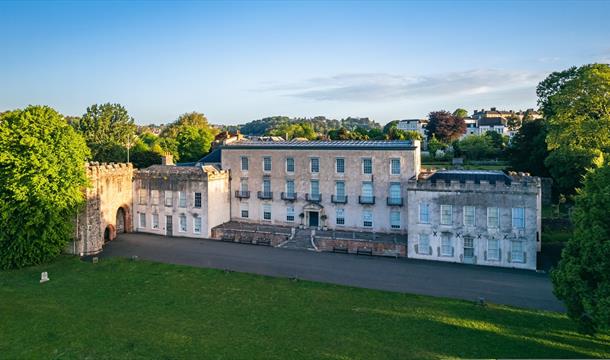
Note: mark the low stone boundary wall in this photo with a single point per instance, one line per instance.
(352, 246)
(249, 236)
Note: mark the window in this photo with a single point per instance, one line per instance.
(340, 216)
(367, 218)
(340, 165)
(197, 199)
(446, 248)
(424, 213)
(315, 165)
(469, 215)
(142, 220)
(244, 212)
(340, 189)
(493, 249)
(395, 166)
(446, 214)
(289, 164)
(367, 166)
(155, 221)
(290, 214)
(290, 187)
(142, 197)
(267, 163)
(519, 218)
(367, 190)
(493, 217)
(424, 244)
(266, 212)
(315, 187)
(169, 198)
(182, 199)
(244, 163)
(395, 219)
(155, 197)
(266, 186)
(197, 224)
(182, 223)
(395, 191)
(516, 253)
(243, 185)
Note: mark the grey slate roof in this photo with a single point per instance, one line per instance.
(470, 175)
(326, 145)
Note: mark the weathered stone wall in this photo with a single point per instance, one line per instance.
(249, 236)
(107, 207)
(352, 246)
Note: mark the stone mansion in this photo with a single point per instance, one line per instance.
(335, 187)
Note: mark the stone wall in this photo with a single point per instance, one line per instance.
(249, 236)
(107, 208)
(352, 246)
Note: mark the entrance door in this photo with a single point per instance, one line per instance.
(120, 221)
(313, 218)
(169, 225)
(469, 250)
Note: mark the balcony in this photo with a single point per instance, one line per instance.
(366, 200)
(242, 194)
(313, 197)
(338, 199)
(289, 196)
(395, 201)
(265, 195)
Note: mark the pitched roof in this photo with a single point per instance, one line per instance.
(326, 145)
(492, 121)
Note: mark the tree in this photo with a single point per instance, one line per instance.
(435, 145)
(188, 138)
(106, 128)
(513, 122)
(445, 126)
(527, 150)
(291, 131)
(42, 177)
(582, 277)
(460, 113)
(476, 147)
(576, 106)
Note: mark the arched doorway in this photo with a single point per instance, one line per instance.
(109, 233)
(120, 221)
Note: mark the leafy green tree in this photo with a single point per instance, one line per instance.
(295, 130)
(390, 125)
(527, 150)
(582, 277)
(445, 126)
(107, 129)
(188, 138)
(476, 147)
(42, 177)
(576, 106)
(434, 145)
(460, 113)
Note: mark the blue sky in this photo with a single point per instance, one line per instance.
(239, 61)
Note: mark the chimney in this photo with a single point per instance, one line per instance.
(493, 109)
(167, 159)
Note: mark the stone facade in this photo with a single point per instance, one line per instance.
(107, 210)
(186, 201)
(287, 195)
(484, 218)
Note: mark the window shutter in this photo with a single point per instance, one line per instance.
(416, 248)
(429, 250)
(475, 259)
(524, 257)
(485, 255)
(452, 251)
(461, 256)
(499, 254)
(438, 251)
(508, 257)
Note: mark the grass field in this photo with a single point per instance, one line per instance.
(137, 309)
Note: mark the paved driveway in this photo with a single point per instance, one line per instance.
(504, 286)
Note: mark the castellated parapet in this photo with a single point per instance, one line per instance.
(107, 209)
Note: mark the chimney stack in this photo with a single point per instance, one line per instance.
(167, 159)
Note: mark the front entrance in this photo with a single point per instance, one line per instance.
(468, 250)
(108, 233)
(169, 221)
(314, 218)
(120, 221)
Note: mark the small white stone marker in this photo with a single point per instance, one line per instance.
(44, 277)
(94, 260)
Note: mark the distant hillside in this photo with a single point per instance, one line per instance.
(320, 124)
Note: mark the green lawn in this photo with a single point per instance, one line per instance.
(138, 309)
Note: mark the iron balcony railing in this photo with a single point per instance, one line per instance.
(313, 197)
(395, 201)
(367, 200)
(338, 199)
(265, 195)
(289, 196)
(242, 194)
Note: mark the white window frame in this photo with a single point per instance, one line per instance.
(267, 210)
(423, 206)
(244, 209)
(182, 223)
(142, 197)
(195, 200)
(340, 216)
(446, 244)
(340, 194)
(169, 198)
(265, 158)
(493, 254)
(155, 221)
(446, 215)
(290, 214)
(312, 161)
(337, 165)
(182, 199)
(519, 252)
(244, 160)
(467, 217)
(518, 222)
(364, 167)
(392, 162)
(423, 244)
(142, 220)
(197, 222)
(154, 194)
(367, 218)
(317, 187)
(288, 190)
(490, 217)
(394, 223)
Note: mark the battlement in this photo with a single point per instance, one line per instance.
(521, 183)
(96, 168)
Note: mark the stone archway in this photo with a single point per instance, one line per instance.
(109, 233)
(121, 221)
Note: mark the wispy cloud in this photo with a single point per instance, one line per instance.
(388, 87)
